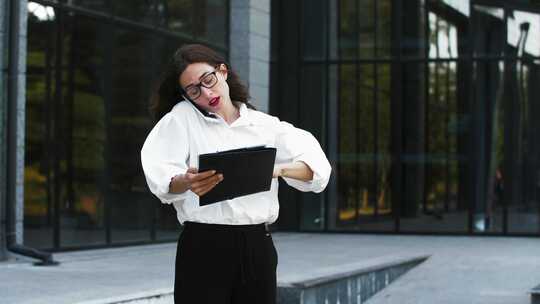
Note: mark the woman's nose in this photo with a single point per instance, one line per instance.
(207, 92)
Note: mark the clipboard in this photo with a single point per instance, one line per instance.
(245, 171)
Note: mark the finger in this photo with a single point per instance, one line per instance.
(207, 189)
(195, 177)
(207, 181)
(200, 189)
(203, 175)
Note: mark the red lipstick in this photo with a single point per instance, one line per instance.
(214, 102)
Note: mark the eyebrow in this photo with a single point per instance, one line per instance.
(201, 77)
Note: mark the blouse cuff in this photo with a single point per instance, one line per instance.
(165, 196)
(321, 174)
(169, 198)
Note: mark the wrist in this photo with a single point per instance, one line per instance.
(178, 184)
(282, 171)
(278, 171)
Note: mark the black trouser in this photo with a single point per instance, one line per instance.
(225, 264)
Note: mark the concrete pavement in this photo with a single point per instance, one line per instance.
(459, 269)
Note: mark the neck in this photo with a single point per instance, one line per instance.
(230, 113)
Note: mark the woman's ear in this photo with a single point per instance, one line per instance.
(224, 71)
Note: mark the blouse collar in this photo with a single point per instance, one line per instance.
(213, 117)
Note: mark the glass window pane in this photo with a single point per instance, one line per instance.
(443, 38)
(348, 26)
(87, 116)
(363, 184)
(413, 29)
(333, 29)
(383, 101)
(348, 192)
(384, 28)
(488, 31)
(142, 11)
(42, 25)
(488, 158)
(438, 204)
(132, 70)
(375, 208)
(313, 84)
(38, 201)
(211, 22)
(365, 149)
(40, 92)
(521, 180)
(411, 182)
(333, 131)
(523, 33)
(178, 16)
(366, 28)
(314, 27)
(83, 192)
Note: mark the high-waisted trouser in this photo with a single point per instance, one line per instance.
(225, 264)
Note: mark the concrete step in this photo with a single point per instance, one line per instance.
(352, 283)
(346, 284)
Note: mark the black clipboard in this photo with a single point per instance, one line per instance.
(245, 171)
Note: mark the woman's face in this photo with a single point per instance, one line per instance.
(206, 86)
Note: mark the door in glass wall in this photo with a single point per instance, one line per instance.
(361, 117)
(363, 181)
(64, 166)
(313, 119)
(435, 164)
(81, 135)
(520, 174)
(506, 171)
(39, 206)
(488, 119)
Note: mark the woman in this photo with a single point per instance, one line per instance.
(225, 253)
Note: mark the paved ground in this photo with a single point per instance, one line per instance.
(460, 269)
(467, 270)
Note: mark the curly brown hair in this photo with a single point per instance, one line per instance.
(168, 92)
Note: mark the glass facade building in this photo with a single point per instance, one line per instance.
(427, 110)
(90, 67)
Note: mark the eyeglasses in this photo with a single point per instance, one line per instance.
(208, 81)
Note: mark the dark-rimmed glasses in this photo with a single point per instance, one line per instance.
(208, 81)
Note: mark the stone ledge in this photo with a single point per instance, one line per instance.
(313, 287)
(349, 283)
(336, 273)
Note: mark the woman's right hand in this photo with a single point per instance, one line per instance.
(199, 183)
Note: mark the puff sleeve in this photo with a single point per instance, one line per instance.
(164, 154)
(294, 144)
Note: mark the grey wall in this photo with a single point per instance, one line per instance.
(17, 124)
(3, 101)
(250, 47)
(21, 121)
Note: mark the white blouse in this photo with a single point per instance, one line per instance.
(178, 138)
